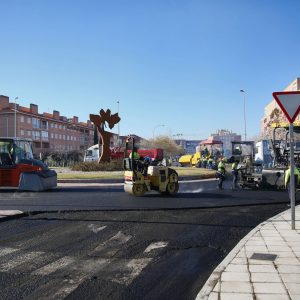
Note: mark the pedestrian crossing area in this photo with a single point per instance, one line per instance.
(62, 272)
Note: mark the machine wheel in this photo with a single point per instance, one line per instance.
(172, 188)
(135, 189)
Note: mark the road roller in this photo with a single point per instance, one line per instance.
(141, 176)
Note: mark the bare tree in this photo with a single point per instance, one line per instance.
(163, 142)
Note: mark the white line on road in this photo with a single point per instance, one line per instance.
(50, 268)
(5, 251)
(20, 260)
(156, 245)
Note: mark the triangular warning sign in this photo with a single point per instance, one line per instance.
(289, 103)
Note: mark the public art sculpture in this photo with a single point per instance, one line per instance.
(100, 122)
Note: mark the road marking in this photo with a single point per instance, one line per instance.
(156, 245)
(19, 260)
(54, 266)
(96, 229)
(130, 271)
(5, 251)
(110, 247)
(75, 274)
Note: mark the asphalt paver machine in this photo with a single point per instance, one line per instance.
(142, 176)
(18, 168)
(250, 172)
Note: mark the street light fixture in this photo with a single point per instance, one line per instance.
(160, 125)
(244, 93)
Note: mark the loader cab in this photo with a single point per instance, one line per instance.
(14, 151)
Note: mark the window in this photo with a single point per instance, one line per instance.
(56, 135)
(35, 123)
(44, 124)
(28, 133)
(22, 131)
(60, 136)
(28, 120)
(60, 127)
(52, 135)
(55, 126)
(64, 137)
(35, 135)
(22, 119)
(52, 125)
(44, 135)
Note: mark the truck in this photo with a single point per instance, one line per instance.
(20, 170)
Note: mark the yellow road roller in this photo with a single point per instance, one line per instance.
(141, 177)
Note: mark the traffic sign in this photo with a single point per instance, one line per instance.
(289, 102)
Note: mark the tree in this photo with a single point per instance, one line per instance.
(163, 142)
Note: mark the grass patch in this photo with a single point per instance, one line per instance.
(65, 173)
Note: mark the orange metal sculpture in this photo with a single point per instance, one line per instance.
(99, 121)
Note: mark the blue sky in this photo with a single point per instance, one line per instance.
(171, 62)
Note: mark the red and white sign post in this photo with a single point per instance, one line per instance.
(289, 102)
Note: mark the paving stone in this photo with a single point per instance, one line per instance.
(260, 262)
(239, 261)
(279, 248)
(289, 269)
(272, 297)
(287, 261)
(217, 287)
(293, 278)
(236, 287)
(267, 287)
(236, 268)
(293, 288)
(236, 296)
(256, 248)
(235, 276)
(265, 277)
(285, 254)
(262, 268)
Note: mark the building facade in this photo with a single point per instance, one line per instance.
(226, 137)
(273, 112)
(49, 132)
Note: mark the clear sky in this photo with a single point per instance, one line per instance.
(172, 62)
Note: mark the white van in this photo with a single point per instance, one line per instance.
(91, 154)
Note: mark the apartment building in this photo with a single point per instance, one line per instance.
(50, 132)
(273, 112)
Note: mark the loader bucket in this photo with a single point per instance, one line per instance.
(38, 181)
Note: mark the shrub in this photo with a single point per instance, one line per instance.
(114, 165)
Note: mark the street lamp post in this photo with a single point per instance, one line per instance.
(118, 102)
(244, 93)
(16, 116)
(160, 125)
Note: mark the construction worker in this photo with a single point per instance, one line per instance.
(135, 157)
(234, 172)
(220, 174)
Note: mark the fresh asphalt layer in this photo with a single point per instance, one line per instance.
(97, 196)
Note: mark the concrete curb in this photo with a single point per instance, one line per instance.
(11, 214)
(215, 276)
(120, 180)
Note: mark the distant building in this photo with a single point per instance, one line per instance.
(273, 112)
(189, 146)
(50, 132)
(226, 137)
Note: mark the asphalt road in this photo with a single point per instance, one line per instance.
(125, 253)
(76, 197)
(157, 254)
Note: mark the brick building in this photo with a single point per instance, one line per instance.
(49, 132)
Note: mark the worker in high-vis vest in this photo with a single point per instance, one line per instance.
(234, 172)
(220, 174)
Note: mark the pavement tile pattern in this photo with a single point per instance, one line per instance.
(264, 265)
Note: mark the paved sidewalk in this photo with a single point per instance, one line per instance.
(264, 265)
